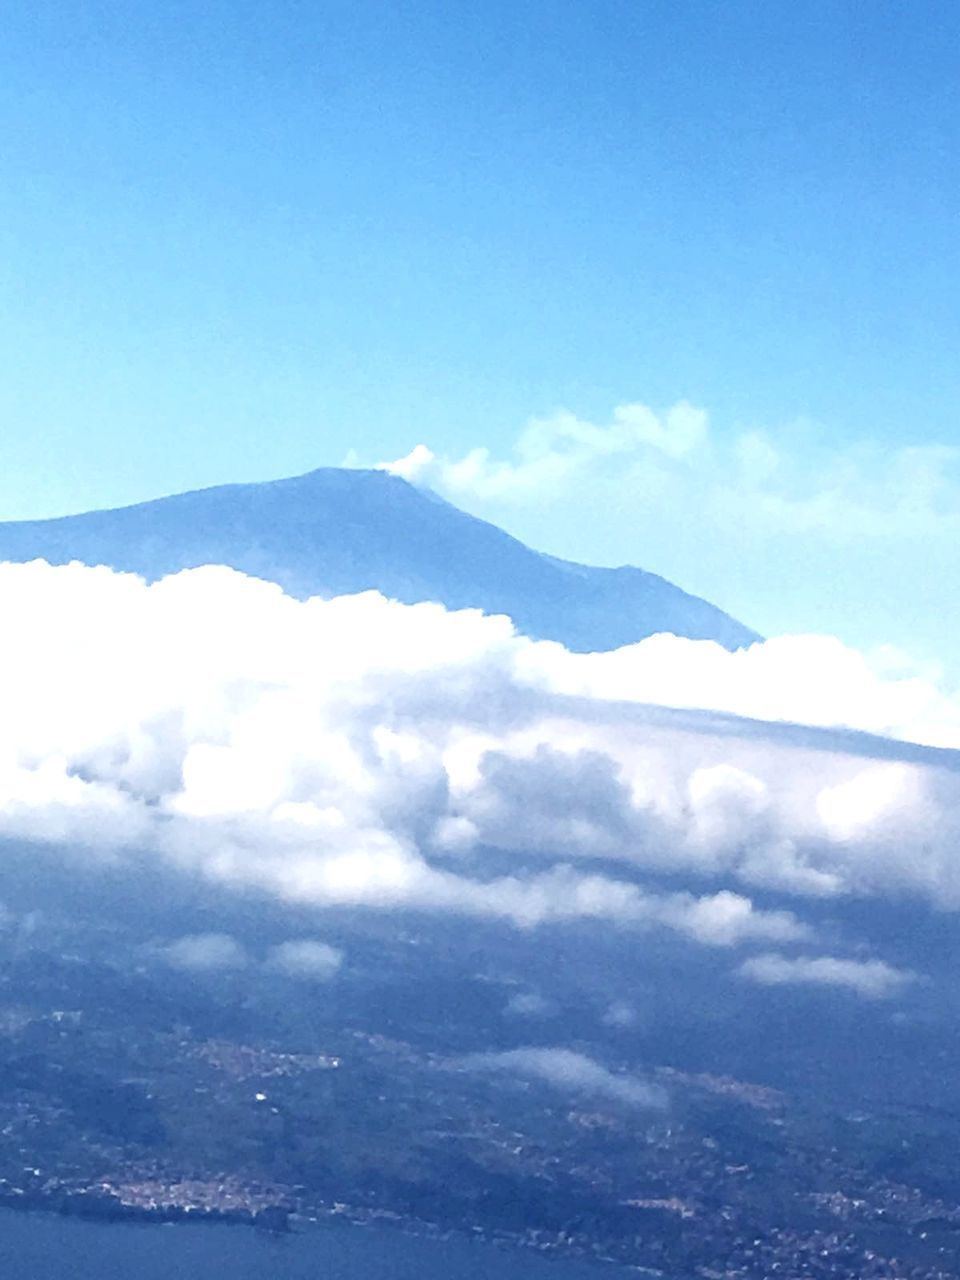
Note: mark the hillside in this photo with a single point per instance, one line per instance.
(335, 531)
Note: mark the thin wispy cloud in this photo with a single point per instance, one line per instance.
(790, 479)
(570, 1072)
(871, 979)
(787, 526)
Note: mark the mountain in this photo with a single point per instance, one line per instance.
(335, 531)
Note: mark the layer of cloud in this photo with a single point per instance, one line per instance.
(570, 1072)
(872, 979)
(361, 752)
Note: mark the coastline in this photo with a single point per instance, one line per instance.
(49, 1245)
(277, 1221)
(104, 1207)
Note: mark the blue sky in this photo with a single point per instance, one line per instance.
(238, 241)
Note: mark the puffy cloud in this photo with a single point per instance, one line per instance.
(302, 958)
(872, 979)
(204, 953)
(724, 919)
(570, 1072)
(357, 751)
(306, 958)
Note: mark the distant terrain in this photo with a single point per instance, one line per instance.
(336, 531)
(136, 1089)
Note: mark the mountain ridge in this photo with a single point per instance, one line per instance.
(334, 531)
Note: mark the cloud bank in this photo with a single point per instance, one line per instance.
(357, 751)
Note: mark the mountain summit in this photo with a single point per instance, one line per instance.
(335, 531)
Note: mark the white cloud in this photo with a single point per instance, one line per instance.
(570, 1072)
(204, 953)
(357, 751)
(528, 1004)
(871, 979)
(305, 958)
(789, 527)
(302, 958)
(794, 479)
(552, 452)
(619, 1014)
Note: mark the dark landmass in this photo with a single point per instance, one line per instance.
(131, 1090)
(335, 532)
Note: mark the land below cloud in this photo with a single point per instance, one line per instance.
(660, 1113)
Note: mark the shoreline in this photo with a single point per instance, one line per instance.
(102, 1207)
(281, 1222)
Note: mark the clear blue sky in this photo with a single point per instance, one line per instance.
(239, 240)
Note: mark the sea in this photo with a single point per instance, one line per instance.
(41, 1246)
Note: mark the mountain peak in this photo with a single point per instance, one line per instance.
(333, 531)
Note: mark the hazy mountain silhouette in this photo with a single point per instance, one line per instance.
(335, 531)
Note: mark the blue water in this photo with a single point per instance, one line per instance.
(39, 1246)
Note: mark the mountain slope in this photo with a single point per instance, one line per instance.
(335, 531)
